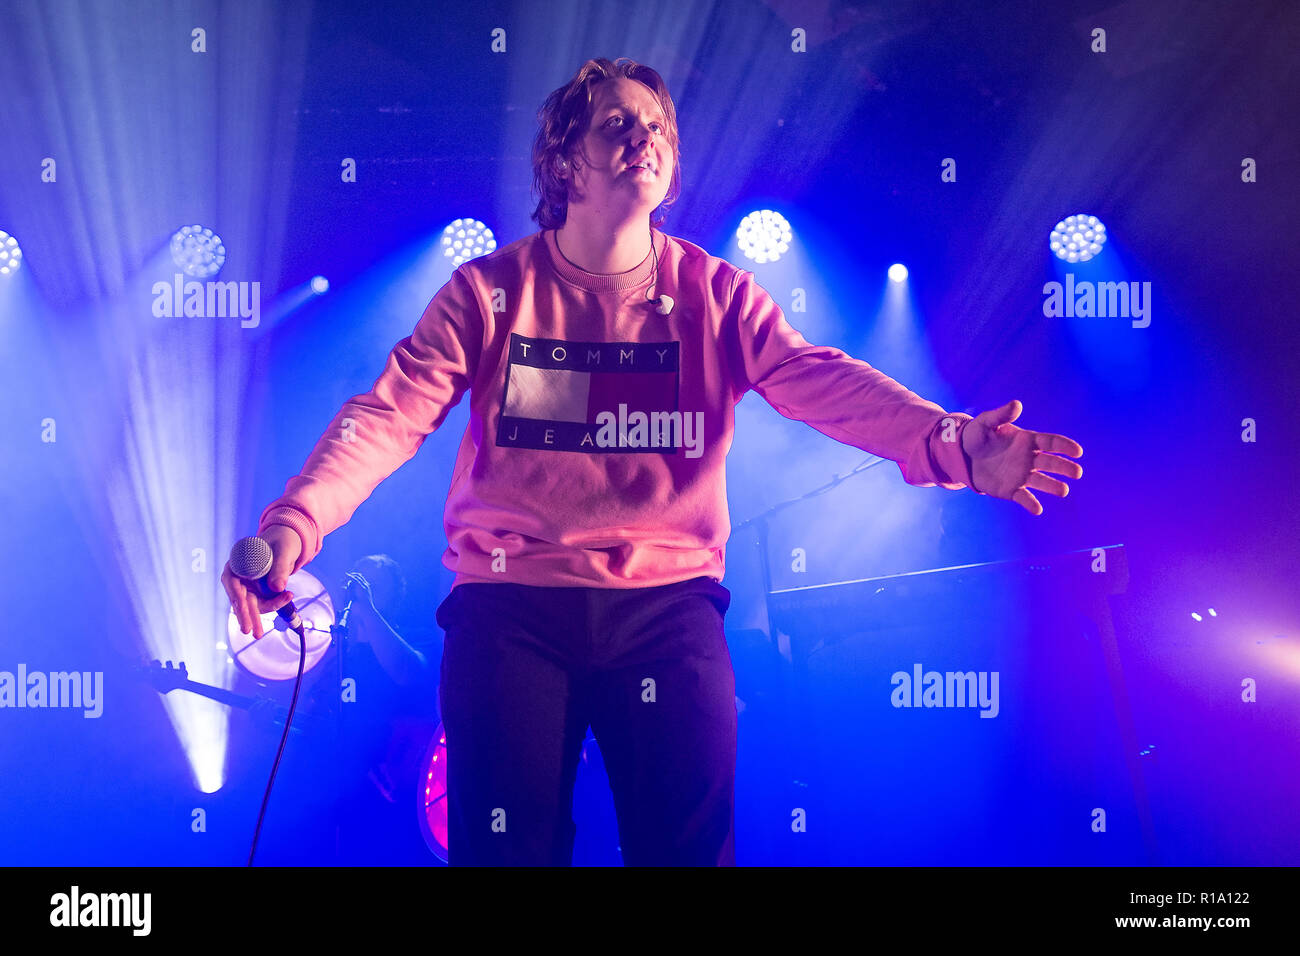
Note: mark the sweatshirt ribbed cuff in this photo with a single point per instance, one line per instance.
(950, 458)
(301, 524)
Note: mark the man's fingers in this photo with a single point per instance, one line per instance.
(278, 578)
(249, 606)
(228, 582)
(275, 603)
(1057, 465)
(1059, 445)
(237, 605)
(254, 615)
(1048, 484)
(236, 595)
(243, 602)
(1027, 501)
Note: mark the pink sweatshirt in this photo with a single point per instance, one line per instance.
(598, 433)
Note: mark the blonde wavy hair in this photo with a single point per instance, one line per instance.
(563, 121)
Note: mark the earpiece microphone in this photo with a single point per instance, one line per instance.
(663, 303)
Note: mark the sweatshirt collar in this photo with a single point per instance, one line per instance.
(617, 282)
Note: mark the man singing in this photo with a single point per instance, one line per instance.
(586, 532)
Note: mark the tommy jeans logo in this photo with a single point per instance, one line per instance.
(596, 397)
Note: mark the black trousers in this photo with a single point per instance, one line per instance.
(526, 670)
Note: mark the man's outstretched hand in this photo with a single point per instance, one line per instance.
(1007, 460)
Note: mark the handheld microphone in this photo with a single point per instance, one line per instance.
(250, 560)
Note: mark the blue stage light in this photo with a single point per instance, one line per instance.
(1077, 238)
(198, 252)
(320, 285)
(11, 257)
(764, 235)
(467, 239)
(898, 272)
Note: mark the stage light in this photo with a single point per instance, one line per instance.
(467, 239)
(1213, 613)
(320, 285)
(11, 257)
(1196, 617)
(1077, 238)
(198, 252)
(764, 235)
(898, 272)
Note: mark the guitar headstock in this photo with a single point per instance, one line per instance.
(167, 677)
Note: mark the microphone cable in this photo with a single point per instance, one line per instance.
(284, 737)
(250, 560)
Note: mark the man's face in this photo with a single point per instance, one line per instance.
(627, 125)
